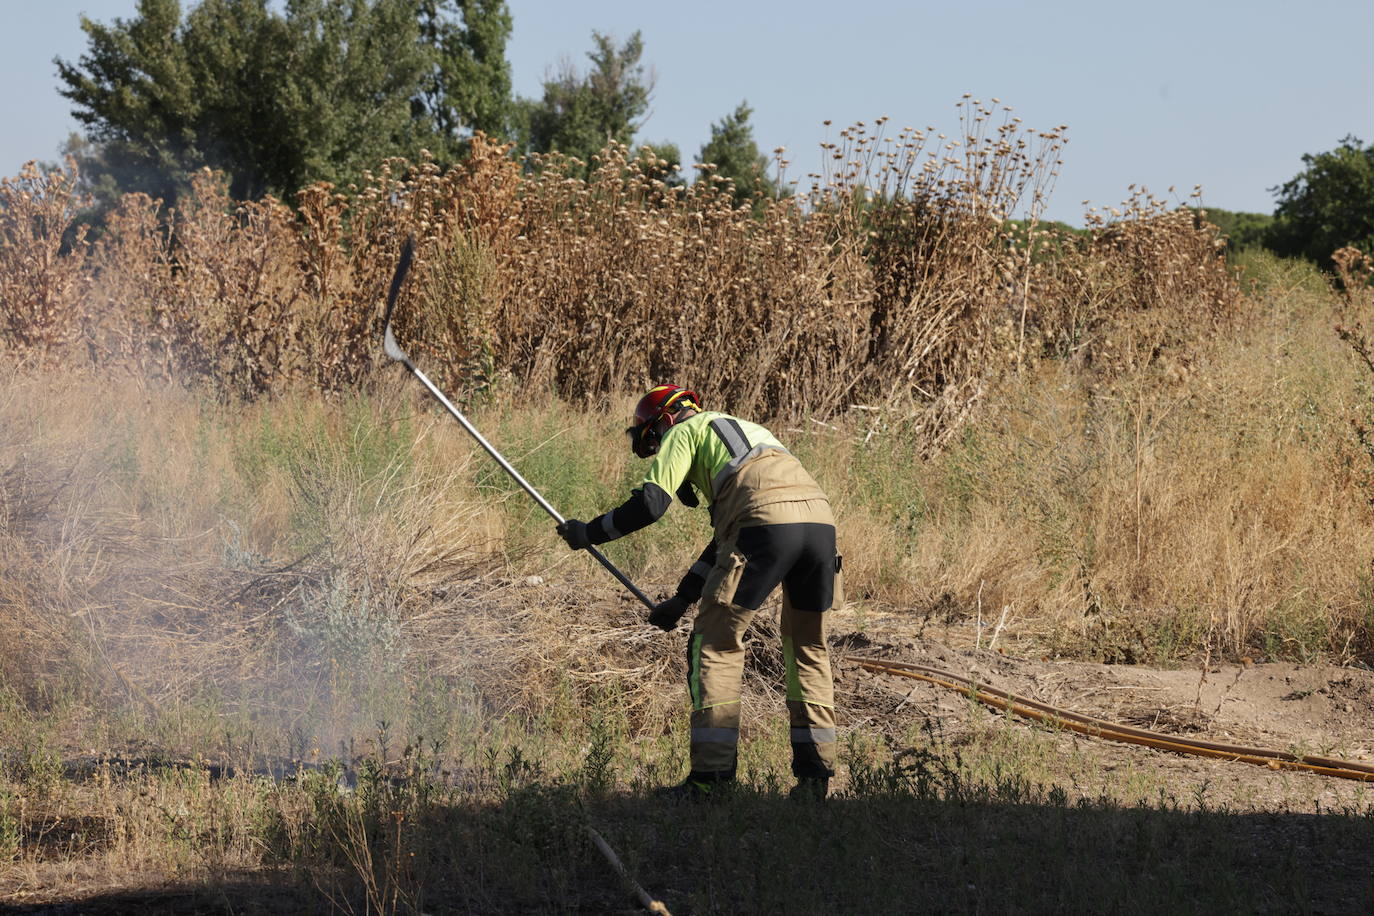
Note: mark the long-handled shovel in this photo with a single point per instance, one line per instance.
(396, 353)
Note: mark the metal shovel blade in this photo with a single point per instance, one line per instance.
(392, 349)
(389, 344)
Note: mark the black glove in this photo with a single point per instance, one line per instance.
(575, 533)
(666, 614)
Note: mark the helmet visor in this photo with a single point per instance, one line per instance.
(643, 440)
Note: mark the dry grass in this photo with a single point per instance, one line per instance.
(157, 543)
(170, 543)
(1147, 514)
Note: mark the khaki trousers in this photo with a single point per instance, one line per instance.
(716, 649)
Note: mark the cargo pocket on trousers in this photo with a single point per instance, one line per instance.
(723, 580)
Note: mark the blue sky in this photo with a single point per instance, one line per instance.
(1228, 95)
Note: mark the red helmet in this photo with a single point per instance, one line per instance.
(661, 403)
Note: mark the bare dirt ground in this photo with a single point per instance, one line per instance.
(1307, 709)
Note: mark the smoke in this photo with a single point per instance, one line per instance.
(229, 576)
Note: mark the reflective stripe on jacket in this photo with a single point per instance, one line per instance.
(705, 450)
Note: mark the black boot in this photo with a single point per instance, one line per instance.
(810, 788)
(697, 787)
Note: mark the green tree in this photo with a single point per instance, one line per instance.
(1240, 229)
(736, 156)
(581, 113)
(1328, 205)
(469, 85)
(320, 90)
(134, 92)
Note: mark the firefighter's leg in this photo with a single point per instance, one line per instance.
(813, 584)
(715, 670)
(810, 692)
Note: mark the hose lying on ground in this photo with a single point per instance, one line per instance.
(1101, 728)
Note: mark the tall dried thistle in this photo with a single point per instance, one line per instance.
(1148, 282)
(138, 325)
(462, 220)
(254, 298)
(620, 280)
(43, 274)
(1355, 273)
(237, 279)
(932, 215)
(897, 281)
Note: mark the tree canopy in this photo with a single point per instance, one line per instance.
(278, 94)
(321, 90)
(469, 84)
(736, 156)
(581, 112)
(1328, 205)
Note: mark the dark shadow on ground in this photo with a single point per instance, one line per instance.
(907, 844)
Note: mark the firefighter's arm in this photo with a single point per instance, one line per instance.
(666, 614)
(689, 589)
(647, 504)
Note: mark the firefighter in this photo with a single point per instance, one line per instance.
(773, 526)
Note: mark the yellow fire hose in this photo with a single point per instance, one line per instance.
(1059, 718)
(1101, 728)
